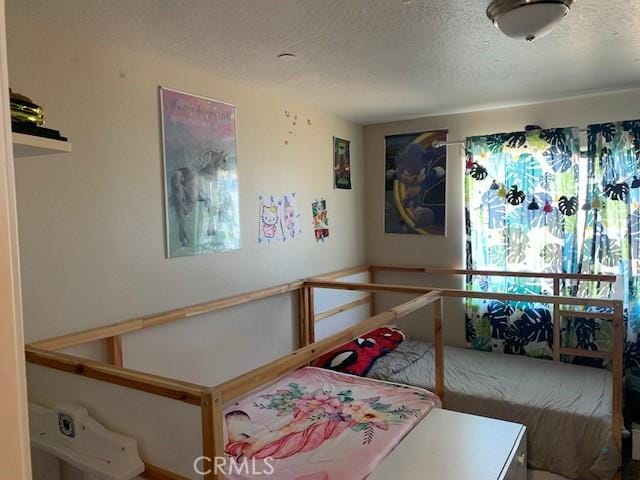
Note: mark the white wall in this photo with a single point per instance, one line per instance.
(91, 222)
(92, 232)
(449, 251)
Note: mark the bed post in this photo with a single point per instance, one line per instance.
(114, 351)
(617, 367)
(303, 339)
(307, 316)
(311, 319)
(556, 320)
(439, 360)
(212, 433)
(372, 298)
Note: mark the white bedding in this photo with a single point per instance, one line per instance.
(566, 408)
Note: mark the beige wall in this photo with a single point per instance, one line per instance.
(91, 222)
(449, 251)
(92, 233)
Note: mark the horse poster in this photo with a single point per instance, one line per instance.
(201, 175)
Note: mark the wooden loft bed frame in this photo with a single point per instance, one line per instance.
(614, 315)
(211, 400)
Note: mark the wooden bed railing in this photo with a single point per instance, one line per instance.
(615, 313)
(587, 277)
(212, 399)
(148, 321)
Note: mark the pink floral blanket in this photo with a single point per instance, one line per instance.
(317, 424)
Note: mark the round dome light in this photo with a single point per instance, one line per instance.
(527, 19)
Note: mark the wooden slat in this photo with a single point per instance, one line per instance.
(100, 333)
(370, 287)
(145, 382)
(617, 367)
(343, 308)
(493, 273)
(439, 352)
(212, 432)
(556, 321)
(88, 336)
(449, 292)
(114, 351)
(581, 352)
(344, 273)
(579, 314)
(273, 370)
(412, 305)
(153, 472)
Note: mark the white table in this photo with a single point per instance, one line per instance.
(455, 446)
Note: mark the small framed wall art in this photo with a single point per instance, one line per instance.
(341, 164)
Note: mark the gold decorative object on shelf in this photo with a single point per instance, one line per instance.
(24, 110)
(27, 118)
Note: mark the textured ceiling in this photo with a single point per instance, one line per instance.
(369, 60)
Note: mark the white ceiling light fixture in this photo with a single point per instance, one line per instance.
(527, 19)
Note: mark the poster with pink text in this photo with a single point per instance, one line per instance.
(201, 174)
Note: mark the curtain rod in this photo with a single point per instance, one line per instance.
(440, 143)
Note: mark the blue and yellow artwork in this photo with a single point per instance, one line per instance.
(415, 183)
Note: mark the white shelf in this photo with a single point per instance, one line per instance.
(30, 145)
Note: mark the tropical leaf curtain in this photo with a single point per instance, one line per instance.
(611, 236)
(534, 205)
(521, 193)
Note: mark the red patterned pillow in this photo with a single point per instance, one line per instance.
(357, 357)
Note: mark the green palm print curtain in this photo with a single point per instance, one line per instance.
(534, 205)
(522, 190)
(612, 233)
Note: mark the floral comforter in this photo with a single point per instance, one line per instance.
(317, 424)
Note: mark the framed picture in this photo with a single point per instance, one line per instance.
(200, 174)
(341, 164)
(415, 183)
